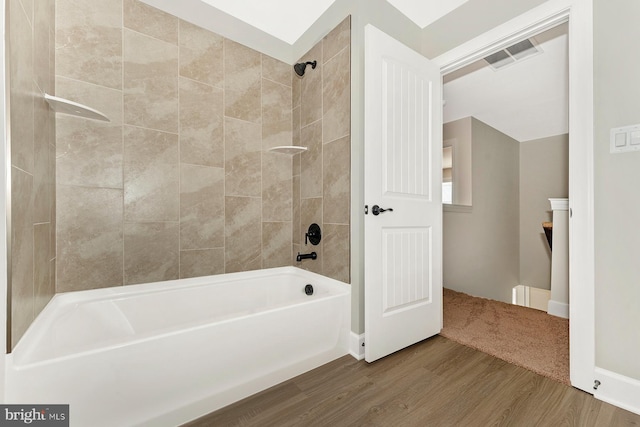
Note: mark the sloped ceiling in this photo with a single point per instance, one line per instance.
(286, 20)
(425, 12)
(526, 101)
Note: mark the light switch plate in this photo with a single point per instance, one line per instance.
(624, 139)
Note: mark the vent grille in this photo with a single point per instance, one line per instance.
(511, 54)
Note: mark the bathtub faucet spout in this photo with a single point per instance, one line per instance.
(300, 256)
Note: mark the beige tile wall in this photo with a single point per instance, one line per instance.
(180, 182)
(173, 186)
(321, 181)
(31, 49)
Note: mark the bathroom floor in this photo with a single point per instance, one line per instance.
(435, 382)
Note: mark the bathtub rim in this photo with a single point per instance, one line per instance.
(34, 333)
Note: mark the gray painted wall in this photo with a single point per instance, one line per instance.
(481, 247)
(617, 197)
(544, 173)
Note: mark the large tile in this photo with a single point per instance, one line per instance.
(336, 40)
(151, 175)
(201, 262)
(151, 252)
(276, 71)
(103, 99)
(52, 43)
(336, 181)
(150, 82)
(201, 207)
(243, 153)
(242, 66)
(89, 41)
(242, 82)
(296, 139)
(21, 92)
(295, 249)
(28, 7)
(336, 252)
(22, 255)
(243, 234)
(276, 134)
(296, 89)
(295, 127)
(310, 213)
(243, 104)
(311, 161)
(311, 88)
(89, 152)
(90, 243)
(41, 171)
(336, 95)
(201, 55)
(296, 210)
(148, 20)
(201, 124)
(276, 244)
(276, 115)
(52, 201)
(276, 102)
(43, 288)
(42, 46)
(277, 196)
(52, 273)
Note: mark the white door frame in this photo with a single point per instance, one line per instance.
(579, 14)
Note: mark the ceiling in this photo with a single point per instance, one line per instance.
(526, 100)
(287, 20)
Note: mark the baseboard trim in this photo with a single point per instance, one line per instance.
(559, 309)
(356, 345)
(618, 390)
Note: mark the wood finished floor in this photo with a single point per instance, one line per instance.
(434, 383)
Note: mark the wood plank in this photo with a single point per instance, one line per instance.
(435, 382)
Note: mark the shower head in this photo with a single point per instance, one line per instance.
(301, 66)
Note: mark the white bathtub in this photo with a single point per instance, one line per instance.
(165, 353)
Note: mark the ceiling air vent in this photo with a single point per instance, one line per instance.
(511, 54)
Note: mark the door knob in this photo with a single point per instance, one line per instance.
(377, 210)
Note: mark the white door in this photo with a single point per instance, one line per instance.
(403, 176)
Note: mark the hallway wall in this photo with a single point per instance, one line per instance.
(481, 246)
(544, 174)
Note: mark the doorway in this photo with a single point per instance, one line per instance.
(581, 224)
(509, 116)
(506, 140)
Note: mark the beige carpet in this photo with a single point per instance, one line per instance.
(519, 335)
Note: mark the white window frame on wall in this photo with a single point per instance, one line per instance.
(579, 14)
